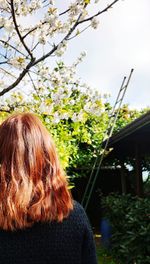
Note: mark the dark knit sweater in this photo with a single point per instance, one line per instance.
(69, 242)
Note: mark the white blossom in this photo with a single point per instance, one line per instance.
(18, 62)
(74, 9)
(4, 4)
(2, 84)
(94, 23)
(64, 116)
(52, 2)
(23, 9)
(35, 4)
(55, 96)
(44, 72)
(42, 39)
(55, 78)
(64, 28)
(74, 117)
(80, 116)
(72, 102)
(83, 54)
(61, 49)
(87, 107)
(56, 117)
(44, 108)
(84, 14)
(66, 77)
(60, 90)
(6, 23)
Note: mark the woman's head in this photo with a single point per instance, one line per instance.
(33, 186)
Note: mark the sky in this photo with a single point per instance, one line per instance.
(121, 42)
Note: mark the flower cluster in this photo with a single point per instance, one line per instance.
(32, 31)
(94, 23)
(65, 97)
(18, 62)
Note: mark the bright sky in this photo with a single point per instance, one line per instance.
(121, 42)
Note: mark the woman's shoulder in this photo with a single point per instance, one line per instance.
(77, 208)
(78, 213)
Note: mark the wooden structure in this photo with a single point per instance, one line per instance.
(133, 141)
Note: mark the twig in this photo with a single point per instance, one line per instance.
(11, 46)
(79, 32)
(4, 110)
(99, 13)
(35, 46)
(43, 23)
(9, 73)
(3, 62)
(34, 86)
(66, 11)
(12, 107)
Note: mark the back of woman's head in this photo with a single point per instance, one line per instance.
(33, 186)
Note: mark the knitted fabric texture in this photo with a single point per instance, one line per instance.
(68, 242)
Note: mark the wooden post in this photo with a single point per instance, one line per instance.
(138, 171)
(123, 178)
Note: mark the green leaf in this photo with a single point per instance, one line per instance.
(87, 1)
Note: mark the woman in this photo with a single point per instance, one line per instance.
(39, 221)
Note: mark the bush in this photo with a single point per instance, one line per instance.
(130, 220)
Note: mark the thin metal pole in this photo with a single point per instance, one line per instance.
(111, 131)
(110, 121)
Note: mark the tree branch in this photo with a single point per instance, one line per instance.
(55, 47)
(32, 30)
(79, 33)
(22, 74)
(11, 46)
(17, 29)
(99, 13)
(64, 12)
(3, 62)
(34, 86)
(8, 73)
(11, 108)
(4, 110)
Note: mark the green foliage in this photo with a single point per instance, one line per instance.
(130, 220)
(104, 257)
(3, 115)
(127, 115)
(78, 131)
(78, 142)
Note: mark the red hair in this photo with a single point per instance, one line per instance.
(33, 187)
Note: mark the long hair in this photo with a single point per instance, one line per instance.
(33, 187)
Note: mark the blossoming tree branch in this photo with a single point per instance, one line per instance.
(32, 31)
